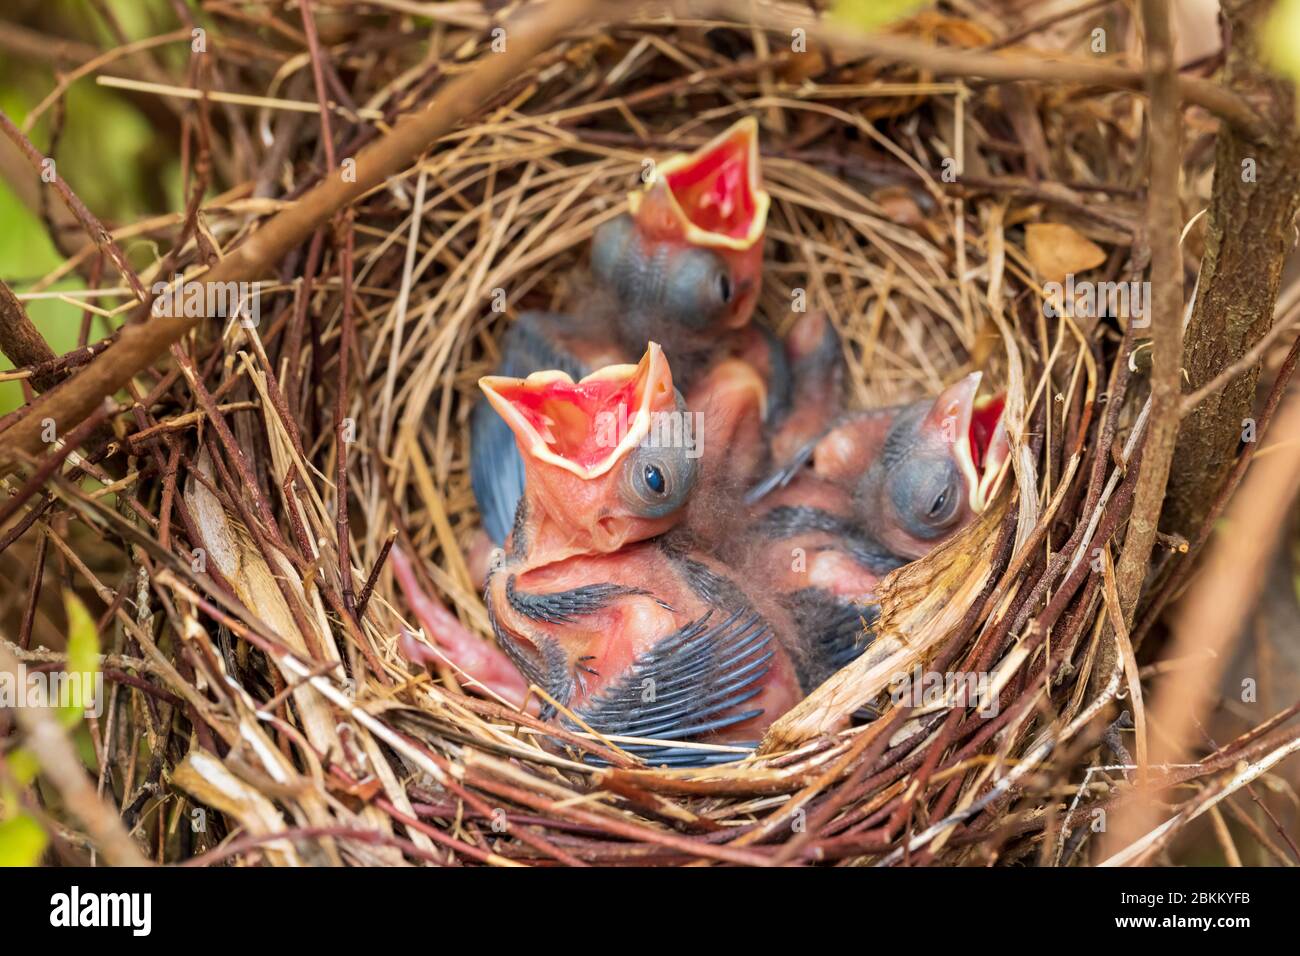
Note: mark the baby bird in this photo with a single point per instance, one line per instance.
(921, 472)
(684, 264)
(804, 541)
(682, 267)
(633, 632)
(878, 489)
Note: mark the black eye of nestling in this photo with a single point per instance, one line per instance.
(656, 482)
(936, 509)
(654, 479)
(724, 287)
(925, 494)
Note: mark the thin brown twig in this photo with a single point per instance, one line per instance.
(94, 228)
(47, 466)
(369, 586)
(140, 344)
(945, 62)
(33, 593)
(1164, 165)
(22, 343)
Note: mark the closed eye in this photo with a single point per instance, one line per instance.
(936, 509)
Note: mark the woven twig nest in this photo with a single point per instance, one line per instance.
(922, 280)
(924, 218)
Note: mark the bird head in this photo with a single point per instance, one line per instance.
(712, 197)
(597, 476)
(690, 248)
(936, 470)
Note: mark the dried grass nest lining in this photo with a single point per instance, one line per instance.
(922, 279)
(872, 239)
(876, 251)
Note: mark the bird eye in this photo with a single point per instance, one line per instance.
(938, 505)
(657, 480)
(696, 287)
(925, 491)
(942, 509)
(654, 479)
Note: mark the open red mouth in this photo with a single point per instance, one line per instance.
(985, 418)
(587, 426)
(981, 438)
(989, 447)
(713, 196)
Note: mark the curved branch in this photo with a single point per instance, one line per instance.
(22, 343)
(1218, 99)
(142, 342)
(1164, 167)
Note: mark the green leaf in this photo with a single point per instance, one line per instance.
(111, 155)
(25, 253)
(1282, 38)
(83, 660)
(873, 14)
(22, 765)
(22, 841)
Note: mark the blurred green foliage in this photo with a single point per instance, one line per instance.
(1282, 38)
(873, 14)
(22, 841)
(108, 152)
(83, 658)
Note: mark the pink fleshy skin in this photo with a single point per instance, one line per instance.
(480, 661)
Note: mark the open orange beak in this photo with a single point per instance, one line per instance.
(712, 197)
(974, 424)
(584, 427)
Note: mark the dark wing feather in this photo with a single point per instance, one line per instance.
(781, 475)
(788, 521)
(697, 677)
(564, 607)
(833, 633)
(780, 379)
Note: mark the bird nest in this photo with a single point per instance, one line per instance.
(252, 625)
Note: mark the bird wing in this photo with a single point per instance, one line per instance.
(688, 684)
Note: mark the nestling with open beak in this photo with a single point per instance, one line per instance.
(681, 267)
(803, 541)
(633, 634)
(919, 472)
(693, 236)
